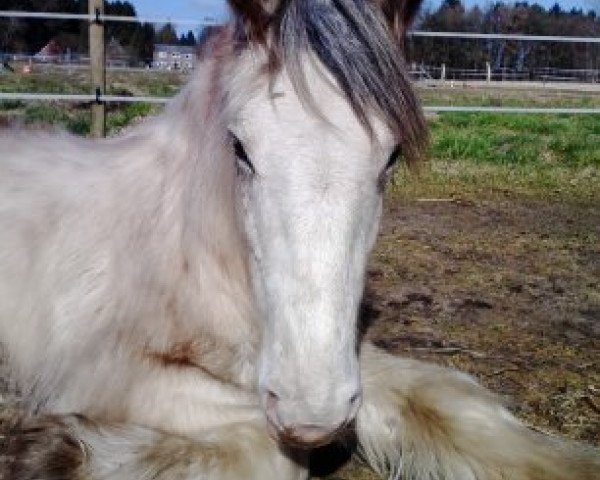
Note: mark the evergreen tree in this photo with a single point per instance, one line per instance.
(29, 36)
(167, 35)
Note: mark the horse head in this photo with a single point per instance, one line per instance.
(321, 109)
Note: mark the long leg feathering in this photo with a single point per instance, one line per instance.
(74, 448)
(423, 422)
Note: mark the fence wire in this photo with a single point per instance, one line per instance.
(163, 100)
(505, 36)
(81, 98)
(210, 22)
(107, 18)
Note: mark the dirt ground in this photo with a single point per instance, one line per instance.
(506, 290)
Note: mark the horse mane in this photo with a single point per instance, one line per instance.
(360, 44)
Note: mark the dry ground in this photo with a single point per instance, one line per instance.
(505, 289)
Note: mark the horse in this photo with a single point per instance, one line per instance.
(181, 302)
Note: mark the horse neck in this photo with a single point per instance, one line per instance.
(205, 258)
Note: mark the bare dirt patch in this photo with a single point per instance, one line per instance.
(508, 291)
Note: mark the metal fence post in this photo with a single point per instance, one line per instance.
(97, 66)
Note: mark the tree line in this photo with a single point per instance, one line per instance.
(518, 18)
(29, 36)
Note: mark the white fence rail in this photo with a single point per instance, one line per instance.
(99, 17)
(163, 100)
(206, 21)
(81, 98)
(541, 75)
(505, 36)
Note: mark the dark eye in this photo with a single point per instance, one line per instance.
(395, 155)
(385, 175)
(244, 164)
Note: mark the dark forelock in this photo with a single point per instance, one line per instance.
(353, 41)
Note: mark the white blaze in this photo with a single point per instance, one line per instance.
(311, 214)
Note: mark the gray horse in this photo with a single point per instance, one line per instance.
(181, 302)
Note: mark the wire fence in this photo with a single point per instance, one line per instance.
(82, 98)
(427, 72)
(504, 74)
(207, 21)
(164, 100)
(100, 17)
(505, 36)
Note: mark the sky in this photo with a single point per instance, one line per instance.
(198, 9)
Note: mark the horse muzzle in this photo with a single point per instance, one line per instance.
(306, 435)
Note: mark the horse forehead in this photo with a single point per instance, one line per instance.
(274, 97)
(282, 104)
(292, 140)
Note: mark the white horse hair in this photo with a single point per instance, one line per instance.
(181, 302)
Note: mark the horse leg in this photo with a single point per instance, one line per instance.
(423, 422)
(74, 448)
(185, 400)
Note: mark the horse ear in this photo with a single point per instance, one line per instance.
(399, 14)
(253, 16)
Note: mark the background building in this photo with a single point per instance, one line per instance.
(174, 57)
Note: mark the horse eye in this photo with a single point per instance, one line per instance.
(243, 160)
(385, 175)
(395, 155)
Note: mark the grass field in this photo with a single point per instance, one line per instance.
(489, 254)
(76, 117)
(556, 156)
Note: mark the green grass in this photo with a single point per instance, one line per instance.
(43, 114)
(517, 139)
(68, 84)
(122, 116)
(77, 118)
(508, 97)
(467, 180)
(471, 154)
(49, 79)
(483, 155)
(11, 104)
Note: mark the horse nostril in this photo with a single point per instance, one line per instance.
(271, 398)
(310, 436)
(304, 425)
